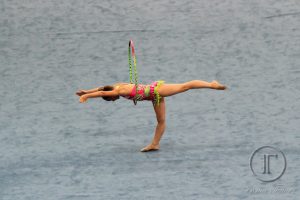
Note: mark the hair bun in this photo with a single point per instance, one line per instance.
(100, 88)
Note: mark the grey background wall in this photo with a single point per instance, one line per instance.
(52, 147)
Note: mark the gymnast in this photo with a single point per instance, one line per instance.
(155, 92)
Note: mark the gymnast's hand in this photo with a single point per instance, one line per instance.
(83, 98)
(81, 92)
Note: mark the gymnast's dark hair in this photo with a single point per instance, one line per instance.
(106, 88)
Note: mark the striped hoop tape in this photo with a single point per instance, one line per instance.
(132, 72)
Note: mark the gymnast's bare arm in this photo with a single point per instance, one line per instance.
(112, 93)
(82, 92)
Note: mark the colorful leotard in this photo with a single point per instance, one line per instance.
(146, 92)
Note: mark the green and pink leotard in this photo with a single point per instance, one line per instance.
(146, 92)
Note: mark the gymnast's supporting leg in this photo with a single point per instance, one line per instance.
(160, 111)
(172, 89)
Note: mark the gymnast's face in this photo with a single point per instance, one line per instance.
(114, 98)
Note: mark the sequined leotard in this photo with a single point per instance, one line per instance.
(146, 92)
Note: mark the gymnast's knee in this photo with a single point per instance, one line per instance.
(191, 84)
(186, 86)
(161, 121)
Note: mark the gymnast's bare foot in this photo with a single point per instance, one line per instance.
(150, 147)
(216, 85)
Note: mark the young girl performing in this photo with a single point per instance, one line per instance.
(154, 92)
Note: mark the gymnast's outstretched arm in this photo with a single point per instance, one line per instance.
(94, 90)
(84, 97)
(82, 92)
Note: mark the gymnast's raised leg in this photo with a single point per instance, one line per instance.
(171, 89)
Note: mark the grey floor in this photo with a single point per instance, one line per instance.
(52, 147)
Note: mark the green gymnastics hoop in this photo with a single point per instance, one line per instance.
(132, 72)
